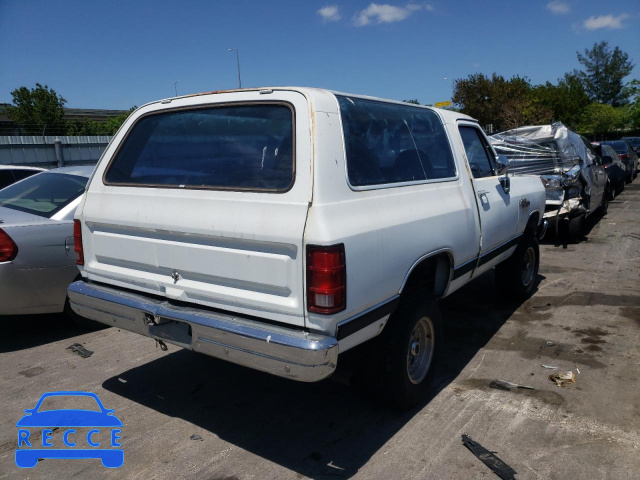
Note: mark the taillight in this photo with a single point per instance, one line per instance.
(77, 242)
(8, 248)
(326, 279)
(623, 156)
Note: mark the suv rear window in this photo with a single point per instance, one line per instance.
(235, 147)
(387, 143)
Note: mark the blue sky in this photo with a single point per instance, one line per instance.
(116, 54)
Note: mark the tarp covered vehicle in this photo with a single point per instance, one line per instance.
(575, 181)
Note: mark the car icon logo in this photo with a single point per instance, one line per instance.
(72, 424)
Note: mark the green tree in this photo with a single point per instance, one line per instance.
(495, 100)
(603, 72)
(91, 127)
(633, 108)
(600, 119)
(566, 101)
(413, 101)
(38, 109)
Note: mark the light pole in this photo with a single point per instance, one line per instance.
(238, 61)
(175, 87)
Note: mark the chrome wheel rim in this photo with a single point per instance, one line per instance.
(420, 350)
(528, 266)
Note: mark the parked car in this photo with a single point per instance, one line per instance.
(575, 180)
(10, 174)
(277, 228)
(37, 261)
(627, 155)
(615, 168)
(635, 143)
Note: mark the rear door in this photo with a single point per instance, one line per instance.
(206, 202)
(498, 210)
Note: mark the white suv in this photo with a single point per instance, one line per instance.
(277, 228)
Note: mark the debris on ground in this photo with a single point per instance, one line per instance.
(490, 459)
(577, 369)
(195, 436)
(562, 378)
(551, 367)
(542, 306)
(504, 385)
(80, 350)
(550, 344)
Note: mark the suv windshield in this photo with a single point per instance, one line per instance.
(43, 194)
(239, 147)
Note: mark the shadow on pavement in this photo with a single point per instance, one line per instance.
(320, 430)
(28, 331)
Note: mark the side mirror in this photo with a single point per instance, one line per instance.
(502, 164)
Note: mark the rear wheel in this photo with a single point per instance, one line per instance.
(576, 228)
(604, 206)
(518, 274)
(411, 343)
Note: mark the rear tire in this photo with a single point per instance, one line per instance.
(576, 229)
(80, 320)
(411, 343)
(604, 206)
(518, 274)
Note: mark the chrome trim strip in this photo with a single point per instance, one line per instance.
(274, 349)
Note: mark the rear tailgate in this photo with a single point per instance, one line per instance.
(239, 251)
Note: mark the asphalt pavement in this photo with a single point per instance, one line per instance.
(185, 415)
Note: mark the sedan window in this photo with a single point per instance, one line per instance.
(44, 194)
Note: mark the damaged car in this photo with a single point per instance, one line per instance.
(575, 180)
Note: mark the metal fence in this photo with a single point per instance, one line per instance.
(50, 151)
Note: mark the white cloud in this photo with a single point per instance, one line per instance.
(384, 13)
(605, 21)
(559, 8)
(329, 13)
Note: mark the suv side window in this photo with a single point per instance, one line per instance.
(388, 143)
(6, 178)
(478, 152)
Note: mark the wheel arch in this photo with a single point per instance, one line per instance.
(532, 223)
(432, 270)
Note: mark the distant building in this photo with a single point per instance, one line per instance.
(7, 127)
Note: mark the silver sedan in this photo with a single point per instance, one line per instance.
(37, 259)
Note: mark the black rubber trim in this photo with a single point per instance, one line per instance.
(487, 257)
(358, 323)
(464, 268)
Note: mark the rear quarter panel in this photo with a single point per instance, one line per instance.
(385, 230)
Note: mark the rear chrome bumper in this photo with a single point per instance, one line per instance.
(281, 351)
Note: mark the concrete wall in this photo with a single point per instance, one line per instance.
(50, 152)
